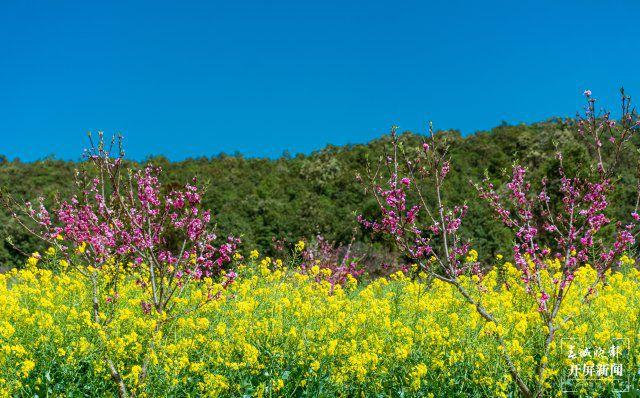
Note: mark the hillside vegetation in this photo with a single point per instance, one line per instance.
(299, 197)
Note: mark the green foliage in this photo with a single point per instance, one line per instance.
(298, 197)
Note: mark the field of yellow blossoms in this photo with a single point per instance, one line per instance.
(278, 332)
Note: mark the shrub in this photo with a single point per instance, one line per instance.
(122, 223)
(408, 187)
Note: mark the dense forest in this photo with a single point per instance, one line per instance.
(302, 196)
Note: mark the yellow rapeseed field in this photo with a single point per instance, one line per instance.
(277, 332)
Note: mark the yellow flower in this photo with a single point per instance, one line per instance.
(300, 246)
(390, 330)
(82, 248)
(278, 385)
(626, 260)
(27, 367)
(254, 254)
(418, 373)
(135, 373)
(33, 260)
(472, 256)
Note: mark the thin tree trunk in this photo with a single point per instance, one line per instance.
(513, 371)
(115, 375)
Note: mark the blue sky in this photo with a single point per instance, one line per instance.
(189, 78)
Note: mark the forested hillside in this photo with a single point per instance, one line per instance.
(301, 196)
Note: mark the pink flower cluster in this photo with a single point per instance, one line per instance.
(415, 226)
(130, 218)
(569, 231)
(338, 259)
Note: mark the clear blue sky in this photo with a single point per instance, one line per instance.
(189, 78)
